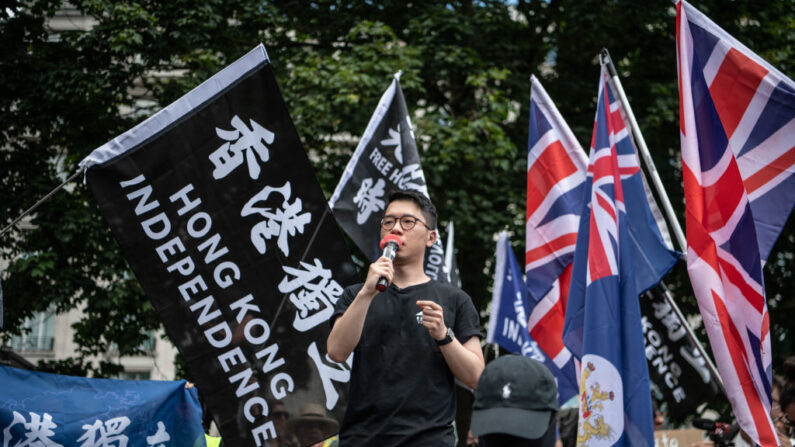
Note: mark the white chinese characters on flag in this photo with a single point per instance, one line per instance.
(737, 117)
(50, 410)
(215, 205)
(386, 160)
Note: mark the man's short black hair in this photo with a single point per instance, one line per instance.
(425, 204)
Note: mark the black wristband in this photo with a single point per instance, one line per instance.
(448, 338)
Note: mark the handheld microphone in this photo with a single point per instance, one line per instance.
(390, 244)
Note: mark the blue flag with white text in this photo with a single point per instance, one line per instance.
(603, 321)
(509, 315)
(42, 409)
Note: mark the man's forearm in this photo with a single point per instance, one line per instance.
(465, 360)
(347, 329)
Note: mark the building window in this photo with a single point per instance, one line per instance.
(134, 375)
(147, 346)
(40, 337)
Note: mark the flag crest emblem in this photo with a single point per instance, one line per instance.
(603, 297)
(600, 412)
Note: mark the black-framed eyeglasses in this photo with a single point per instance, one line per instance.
(407, 222)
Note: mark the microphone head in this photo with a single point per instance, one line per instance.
(390, 238)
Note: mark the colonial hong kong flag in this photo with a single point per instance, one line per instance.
(602, 324)
(556, 167)
(508, 319)
(737, 118)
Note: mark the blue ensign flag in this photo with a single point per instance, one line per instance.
(509, 314)
(652, 251)
(603, 325)
(41, 409)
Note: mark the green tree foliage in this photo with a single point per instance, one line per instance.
(466, 68)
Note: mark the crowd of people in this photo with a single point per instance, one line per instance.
(516, 405)
(415, 337)
(403, 373)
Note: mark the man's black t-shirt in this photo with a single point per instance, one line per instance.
(401, 389)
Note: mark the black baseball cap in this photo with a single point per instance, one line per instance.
(515, 395)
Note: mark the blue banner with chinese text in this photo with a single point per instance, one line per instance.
(41, 409)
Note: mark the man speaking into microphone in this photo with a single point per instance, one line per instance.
(409, 341)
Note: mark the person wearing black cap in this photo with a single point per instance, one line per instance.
(409, 342)
(516, 402)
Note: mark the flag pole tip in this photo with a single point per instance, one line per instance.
(607, 61)
(604, 56)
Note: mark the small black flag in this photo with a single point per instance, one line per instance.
(675, 365)
(385, 160)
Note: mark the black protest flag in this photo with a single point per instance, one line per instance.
(216, 207)
(675, 364)
(385, 160)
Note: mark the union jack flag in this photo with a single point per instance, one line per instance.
(556, 167)
(602, 325)
(555, 191)
(737, 127)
